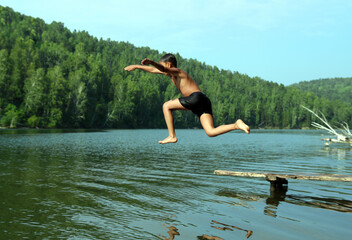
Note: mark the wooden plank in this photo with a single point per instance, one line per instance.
(275, 176)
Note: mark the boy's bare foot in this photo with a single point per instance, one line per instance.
(169, 140)
(242, 126)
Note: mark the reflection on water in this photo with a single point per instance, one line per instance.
(207, 237)
(173, 231)
(339, 205)
(278, 195)
(225, 227)
(124, 185)
(341, 152)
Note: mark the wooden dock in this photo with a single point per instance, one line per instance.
(278, 179)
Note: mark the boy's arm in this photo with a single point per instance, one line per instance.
(145, 68)
(161, 68)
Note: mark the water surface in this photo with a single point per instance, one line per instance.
(122, 184)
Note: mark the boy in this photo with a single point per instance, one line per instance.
(192, 98)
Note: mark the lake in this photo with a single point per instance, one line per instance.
(121, 184)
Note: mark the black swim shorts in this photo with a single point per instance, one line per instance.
(197, 102)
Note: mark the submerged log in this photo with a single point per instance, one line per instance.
(280, 178)
(328, 141)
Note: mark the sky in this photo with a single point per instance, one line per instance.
(283, 41)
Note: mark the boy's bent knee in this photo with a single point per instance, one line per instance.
(166, 106)
(210, 133)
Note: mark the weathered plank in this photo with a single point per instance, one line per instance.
(276, 176)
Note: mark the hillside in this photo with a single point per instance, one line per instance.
(52, 77)
(335, 89)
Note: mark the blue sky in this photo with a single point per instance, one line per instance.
(284, 41)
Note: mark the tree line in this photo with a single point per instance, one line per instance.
(330, 88)
(51, 77)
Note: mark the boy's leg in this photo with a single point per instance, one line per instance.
(207, 122)
(168, 107)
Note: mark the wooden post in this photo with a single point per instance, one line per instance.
(276, 182)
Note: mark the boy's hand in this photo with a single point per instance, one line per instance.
(130, 68)
(146, 61)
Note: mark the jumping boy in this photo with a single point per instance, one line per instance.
(192, 98)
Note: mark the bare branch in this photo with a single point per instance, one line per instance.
(340, 137)
(346, 129)
(324, 120)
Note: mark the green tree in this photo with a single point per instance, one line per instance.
(34, 92)
(4, 77)
(18, 73)
(12, 116)
(56, 97)
(77, 97)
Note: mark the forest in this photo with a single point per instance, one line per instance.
(330, 88)
(51, 77)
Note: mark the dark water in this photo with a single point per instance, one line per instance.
(123, 185)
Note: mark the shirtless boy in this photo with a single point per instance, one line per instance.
(192, 98)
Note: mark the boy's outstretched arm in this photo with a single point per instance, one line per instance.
(147, 61)
(164, 69)
(145, 68)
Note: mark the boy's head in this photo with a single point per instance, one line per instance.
(169, 58)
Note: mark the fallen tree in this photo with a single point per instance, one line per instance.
(343, 135)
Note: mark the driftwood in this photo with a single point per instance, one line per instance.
(328, 141)
(278, 179)
(343, 136)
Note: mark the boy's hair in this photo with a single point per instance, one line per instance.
(169, 58)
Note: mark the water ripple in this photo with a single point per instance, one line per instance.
(123, 185)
